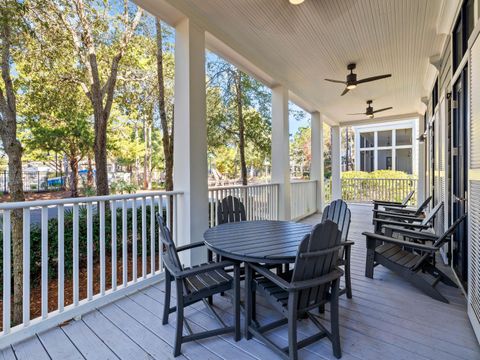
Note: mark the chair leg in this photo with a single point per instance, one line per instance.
(236, 300)
(348, 279)
(180, 319)
(321, 309)
(166, 303)
(370, 260)
(292, 326)
(334, 318)
(248, 300)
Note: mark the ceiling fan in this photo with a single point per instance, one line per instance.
(369, 110)
(352, 82)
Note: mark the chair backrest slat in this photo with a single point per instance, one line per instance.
(423, 206)
(169, 251)
(431, 215)
(230, 209)
(408, 197)
(323, 236)
(446, 235)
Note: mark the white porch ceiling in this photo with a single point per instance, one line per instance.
(299, 46)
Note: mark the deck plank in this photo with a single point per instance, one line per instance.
(25, 349)
(87, 342)
(7, 354)
(58, 345)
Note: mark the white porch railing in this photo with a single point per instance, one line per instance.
(261, 201)
(303, 199)
(79, 256)
(358, 189)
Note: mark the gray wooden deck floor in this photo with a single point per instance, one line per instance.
(386, 319)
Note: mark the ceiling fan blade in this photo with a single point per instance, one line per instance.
(357, 114)
(345, 91)
(336, 81)
(387, 108)
(373, 78)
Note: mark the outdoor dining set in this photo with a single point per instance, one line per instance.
(296, 268)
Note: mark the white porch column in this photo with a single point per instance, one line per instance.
(336, 163)
(281, 149)
(190, 137)
(421, 161)
(316, 168)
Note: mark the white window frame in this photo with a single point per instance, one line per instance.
(393, 127)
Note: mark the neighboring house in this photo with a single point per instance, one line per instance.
(387, 146)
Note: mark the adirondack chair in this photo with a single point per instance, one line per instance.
(415, 262)
(403, 204)
(340, 214)
(405, 211)
(391, 221)
(230, 209)
(193, 285)
(314, 281)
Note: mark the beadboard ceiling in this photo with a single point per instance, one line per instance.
(299, 46)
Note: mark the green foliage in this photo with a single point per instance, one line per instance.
(122, 187)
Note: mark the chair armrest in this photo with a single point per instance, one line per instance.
(204, 268)
(412, 233)
(390, 240)
(277, 280)
(388, 203)
(405, 211)
(190, 246)
(399, 216)
(325, 279)
(399, 223)
(347, 243)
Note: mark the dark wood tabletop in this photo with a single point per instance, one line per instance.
(270, 242)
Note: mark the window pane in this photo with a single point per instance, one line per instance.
(385, 138)
(403, 161)
(404, 137)
(366, 139)
(384, 159)
(366, 161)
(457, 43)
(469, 9)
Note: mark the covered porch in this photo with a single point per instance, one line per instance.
(386, 318)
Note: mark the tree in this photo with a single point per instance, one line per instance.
(56, 112)
(166, 126)
(11, 29)
(238, 112)
(100, 42)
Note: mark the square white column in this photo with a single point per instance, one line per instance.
(281, 149)
(317, 165)
(190, 137)
(336, 163)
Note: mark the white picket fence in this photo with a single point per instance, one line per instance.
(88, 225)
(260, 201)
(303, 199)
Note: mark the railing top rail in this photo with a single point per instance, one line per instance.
(37, 203)
(375, 179)
(301, 181)
(241, 186)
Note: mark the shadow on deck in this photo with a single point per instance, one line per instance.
(386, 319)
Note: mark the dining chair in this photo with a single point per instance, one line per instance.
(230, 209)
(313, 282)
(194, 284)
(338, 212)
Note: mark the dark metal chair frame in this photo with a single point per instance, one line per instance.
(415, 262)
(195, 284)
(314, 282)
(340, 214)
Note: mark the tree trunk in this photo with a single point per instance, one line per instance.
(167, 138)
(241, 127)
(100, 147)
(13, 149)
(74, 176)
(89, 172)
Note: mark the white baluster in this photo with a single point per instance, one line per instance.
(152, 236)
(44, 263)
(144, 238)
(114, 245)
(26, 266)
(124, 244)
(6, 271)
(101, 205)
(89, 252)
(75, 255)
(134, 240)
(61, 256)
